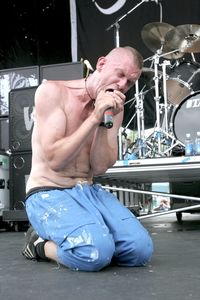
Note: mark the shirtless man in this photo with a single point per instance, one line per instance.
(74, 221)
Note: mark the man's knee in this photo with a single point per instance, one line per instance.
(91, 257)
(137, 253)
(143, 252)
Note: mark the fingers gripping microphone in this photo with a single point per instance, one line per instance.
(108, 115)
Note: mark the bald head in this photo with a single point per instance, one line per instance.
(129, 51)
(119, 69)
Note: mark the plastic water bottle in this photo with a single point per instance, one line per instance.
(197, 143)
(189, 147)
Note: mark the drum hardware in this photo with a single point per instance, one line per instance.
(116, 26)
(181, 83)
(157, 100)
(153, 36)
(140, 115)
(143, 149)
(164, 65)
(168, 143)
(133, 100)
(161, 142)
(144, 146)
(129, 122)
(167, 138)
(193, 57)
(171, 143)
(176, 87)
(130, 100)
(159, 37)
(184, 37)
(147, 79)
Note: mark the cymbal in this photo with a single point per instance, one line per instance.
(185, 37)
(153, 36)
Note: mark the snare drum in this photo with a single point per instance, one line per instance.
(183, 80)
(186, 117)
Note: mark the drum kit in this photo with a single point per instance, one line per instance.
(175, 81)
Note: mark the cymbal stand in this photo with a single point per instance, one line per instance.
(157, 100)
(139, 96)
(160, 136)
(134, 100)
(193, 57)
(164, 64)
(141, 141)
(168, 138)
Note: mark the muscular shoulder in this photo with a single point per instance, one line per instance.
(50, 92)
(49, 89)
(58, 92)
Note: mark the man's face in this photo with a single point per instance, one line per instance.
(118, 73)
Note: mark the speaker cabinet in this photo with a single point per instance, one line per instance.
(19, 169)
(4, 183)
(16, 78)
(65, 71)
(21, 106)
(4, 133)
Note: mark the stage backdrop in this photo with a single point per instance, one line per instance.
(93, 35)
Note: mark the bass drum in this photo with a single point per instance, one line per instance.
(183, 79)
(186, 117)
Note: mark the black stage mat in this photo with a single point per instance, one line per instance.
(173, 273)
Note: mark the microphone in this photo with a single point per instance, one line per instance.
(108, 115)
(108, 118)
(88, 65)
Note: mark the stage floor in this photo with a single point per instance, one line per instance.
(173, 273)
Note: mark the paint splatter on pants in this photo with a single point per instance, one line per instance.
(90, 227)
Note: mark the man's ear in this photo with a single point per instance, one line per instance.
(100, 63)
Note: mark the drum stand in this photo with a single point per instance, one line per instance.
(166, 106)
(157, 101)
(168, 137)
(148, 147)
(140, 120)
(155, 143)
(131, 100)
(161, 142)
(143, 146)
(161, 136)
(139, 97)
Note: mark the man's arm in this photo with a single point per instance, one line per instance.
(52, 122)
(104, 151)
